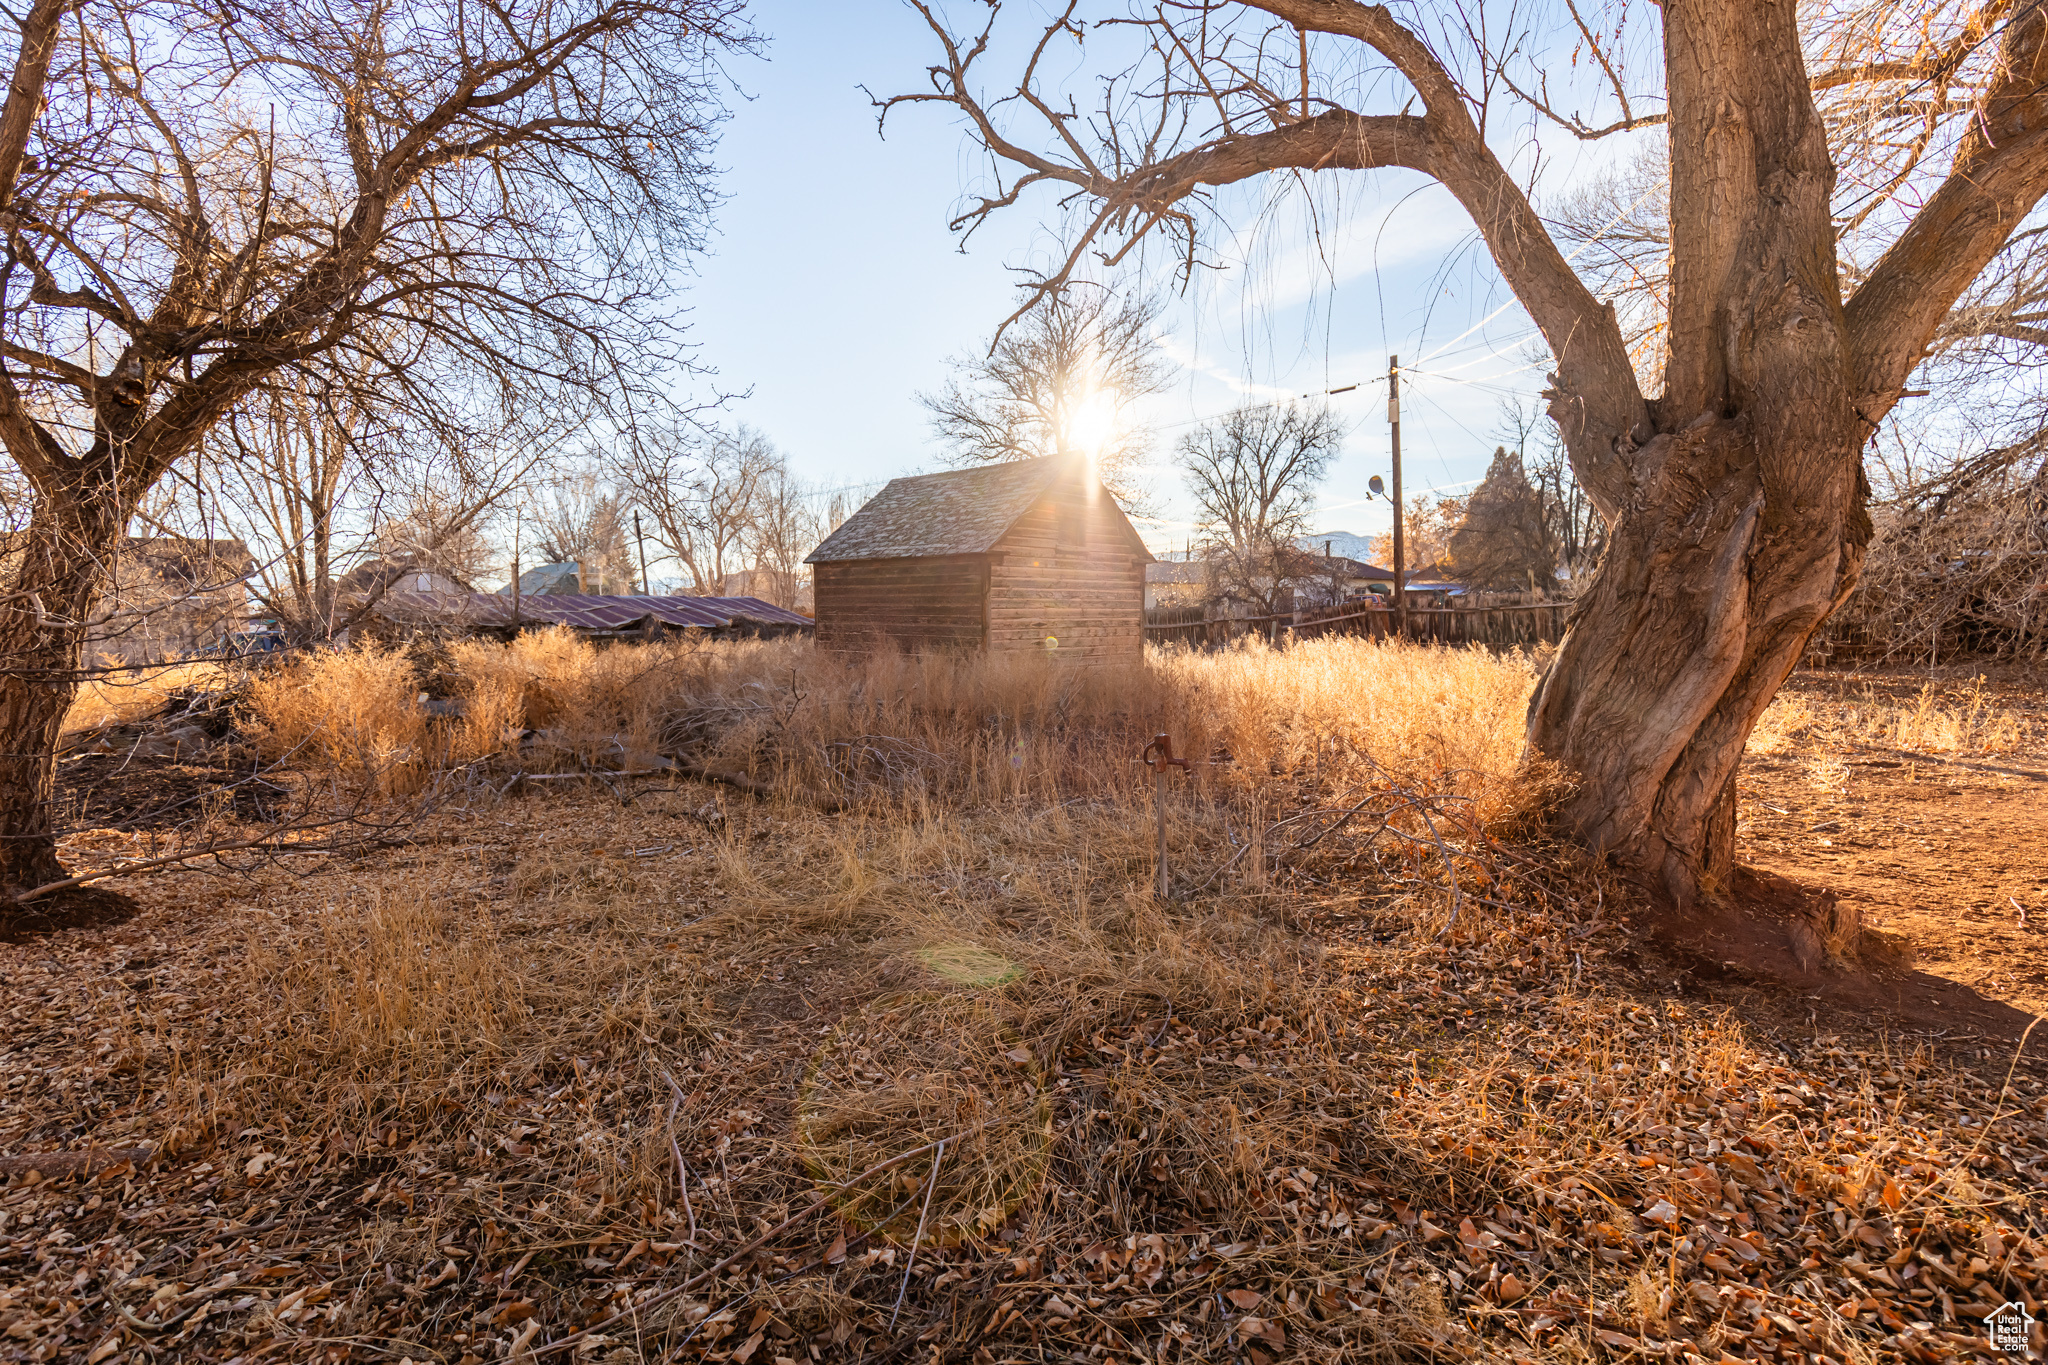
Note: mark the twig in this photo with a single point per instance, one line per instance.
(690, 767)
(821, 1202)
(910, 1262)
(682, 1171)
(53, 1164)
(268, 841)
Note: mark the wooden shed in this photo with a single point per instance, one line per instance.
(1025, 555)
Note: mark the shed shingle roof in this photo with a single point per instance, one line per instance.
(964, 512)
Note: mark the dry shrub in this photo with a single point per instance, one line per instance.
(1967, 721)
(117, 698)
(1955, 566)
(353, 711)
(591, 702)
(1338, 713)
(359, 711)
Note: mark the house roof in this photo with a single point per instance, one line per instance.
(580, 610)
(1358, 568)
(382, 573)
(545, 579)
(963, 512)
(189, 561)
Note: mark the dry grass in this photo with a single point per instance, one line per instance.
(1298, 1112)
(352, 712)
(362, 712)
(1964, 717)
(116, 698)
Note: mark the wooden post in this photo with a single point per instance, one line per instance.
(1159, 813)
(1158, 756)
(1258, 842)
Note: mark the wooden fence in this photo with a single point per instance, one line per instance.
(1498, 627)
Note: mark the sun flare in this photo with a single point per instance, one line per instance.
(1091, 423)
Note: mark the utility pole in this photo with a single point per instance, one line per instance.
(1400, 550)
(646, 584)
(515, 577)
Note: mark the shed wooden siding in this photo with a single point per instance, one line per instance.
(1069, 568)
(912, 603)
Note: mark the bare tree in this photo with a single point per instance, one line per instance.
(337, 495)
(1576, 527)
(437, 526)
(1253, 474)
(786, 528)
(1735, 491)
(584, 522)
(290, 452)
(1618, 228)
(703, 490)
(475, 206)
(1426, 529)
(1064, 380)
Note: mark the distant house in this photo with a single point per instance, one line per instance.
(586, 577)
(1180, 583)
(392, 575)
(1025, 555)
(770, 585)
(1313, 581)
(1336, 578)
(169, 597)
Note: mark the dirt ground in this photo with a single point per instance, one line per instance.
(563, 1078)
(1945, 847)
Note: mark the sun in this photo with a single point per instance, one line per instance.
(1091, 423)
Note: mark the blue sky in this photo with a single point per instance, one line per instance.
(835, 291)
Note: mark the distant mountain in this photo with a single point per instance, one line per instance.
(1341, 543)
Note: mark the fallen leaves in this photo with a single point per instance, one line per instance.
(1467, 1150)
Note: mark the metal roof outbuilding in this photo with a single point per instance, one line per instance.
(580, 611)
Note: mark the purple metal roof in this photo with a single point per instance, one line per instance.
(581, 611)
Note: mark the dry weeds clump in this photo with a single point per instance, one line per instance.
(677, 1075)
(1332, 713)
(596, 703)
(548, 698)
(1955, 566)
(354, 712)
(119, 697)
(1942, 718)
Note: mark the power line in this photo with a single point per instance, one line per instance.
(1926, 81)
(1584, 246)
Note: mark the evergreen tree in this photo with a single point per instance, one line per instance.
(1505, 541)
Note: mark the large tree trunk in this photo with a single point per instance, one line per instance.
(1741, 522)
(1708, 594)
(42, 635)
